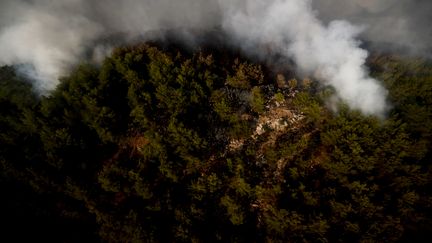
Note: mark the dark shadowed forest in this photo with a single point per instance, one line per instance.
(165, 144)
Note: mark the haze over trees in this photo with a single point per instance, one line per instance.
(163, 144)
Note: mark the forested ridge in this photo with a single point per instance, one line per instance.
(164, 144)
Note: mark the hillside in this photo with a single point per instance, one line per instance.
(163, 144)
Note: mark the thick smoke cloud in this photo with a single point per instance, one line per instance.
(45, 38)
(401, 26)
(329, 52)
(51, 36)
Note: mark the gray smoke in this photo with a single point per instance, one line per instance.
(401, 26)
(46, 38)
(330, 52)
(51, 36)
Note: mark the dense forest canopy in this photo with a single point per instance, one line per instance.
(163, 144)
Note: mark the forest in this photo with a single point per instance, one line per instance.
(161, 143)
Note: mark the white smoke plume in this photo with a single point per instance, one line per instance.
(330, 52)
(401, 26)
(46, 38)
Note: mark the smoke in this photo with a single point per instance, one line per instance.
(401, 26)
(46, 38)
(329, 52)
(48, 42)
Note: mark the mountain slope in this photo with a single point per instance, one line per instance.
(162, 144)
